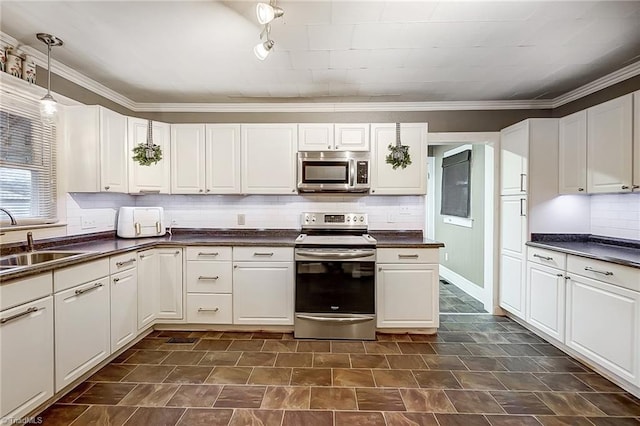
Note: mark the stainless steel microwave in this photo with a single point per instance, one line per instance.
(333, 171)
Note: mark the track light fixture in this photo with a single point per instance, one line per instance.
(266, 13)
(48, 105)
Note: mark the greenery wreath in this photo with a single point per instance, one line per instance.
(147, 155)
(399, 156)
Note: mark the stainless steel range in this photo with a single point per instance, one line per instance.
(335, 277)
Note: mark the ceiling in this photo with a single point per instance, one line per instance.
(335, 50)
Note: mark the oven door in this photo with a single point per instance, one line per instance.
(335, 293)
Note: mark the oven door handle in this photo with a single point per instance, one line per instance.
(351, 320)
(336, 255)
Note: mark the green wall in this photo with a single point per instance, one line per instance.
(465, 246)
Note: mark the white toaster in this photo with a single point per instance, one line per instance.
(137, 222)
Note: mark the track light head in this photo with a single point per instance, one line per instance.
(262, 50)
(267, 13)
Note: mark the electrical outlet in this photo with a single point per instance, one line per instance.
(241, 219)
(404, 211)
(391, 218)
(88, 223)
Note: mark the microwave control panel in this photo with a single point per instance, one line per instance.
(362, 172)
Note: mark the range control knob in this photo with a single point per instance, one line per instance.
(313, 218)
(361, 218)
(348, 218)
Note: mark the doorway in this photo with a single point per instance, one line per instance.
(468, 261)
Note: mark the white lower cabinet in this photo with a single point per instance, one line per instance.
(263, 291)
(209, 308)
(82, 330)
(209, 285)
(26, 354)
(147, 295)
(124, 308)
(407, 293)
(169, 283)
(602, 325)
(546, 299)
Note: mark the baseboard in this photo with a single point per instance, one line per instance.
(463, 284)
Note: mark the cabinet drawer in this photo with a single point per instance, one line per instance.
(76, 275)
(209, 308)
(209, 277)
(545, 257)
(263, 254)
(22, 291)
(122, 262)
(208, 253)
(612, 273)
(408, 255)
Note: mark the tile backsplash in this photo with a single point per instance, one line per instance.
(616, 215)
(88, 213)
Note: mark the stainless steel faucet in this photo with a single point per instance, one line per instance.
(13, 219)
(29, 241)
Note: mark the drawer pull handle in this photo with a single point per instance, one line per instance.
(559, 275)
(20, 315)
(208, 310)
(204, 253)
(522, 188)
(202, 277)
(543, 257)
(590, 269)
(263, 254)
(86, 290)
(408, 256)
(125, 262)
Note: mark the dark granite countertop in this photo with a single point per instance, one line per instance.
(620, 251)
(107, 244)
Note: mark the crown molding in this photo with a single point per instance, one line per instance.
(99, 89)
(599, 84)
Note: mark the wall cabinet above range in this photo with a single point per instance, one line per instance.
(97, 146)
(333, 137)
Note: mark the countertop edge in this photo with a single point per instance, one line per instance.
(546, 245)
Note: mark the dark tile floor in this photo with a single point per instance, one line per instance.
(479, 370)
(454, 300)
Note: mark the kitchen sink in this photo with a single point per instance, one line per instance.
(36, 258)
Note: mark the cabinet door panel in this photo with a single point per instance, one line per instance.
(545, 299)
(315, 137)
(269, 158)
(352, 137)
(573, 153)
(512, 284)
(513, 225)
(514, 152)
(124, 308)
(156, 177)
(169, 283)
(82, 330)
(27, 358)
(636, 141)
(223, 159)
(263, 293)
(147, 293)
(602, 324)
(187, 158)
(407, 295)
(411, 180)
(609, 145)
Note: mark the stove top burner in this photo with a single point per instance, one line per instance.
(336, 240)
(335, 230)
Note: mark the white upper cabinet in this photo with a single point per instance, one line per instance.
(409, 181)
(573, 154)
(97, 146)
(514, 142)
(156, 177)
(269, 158)
(609, 145)
(636, 141)
(187, 158)
(222, 169)
(351, 137)
(315, 137)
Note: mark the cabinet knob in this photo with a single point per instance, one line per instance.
(580, 189)
(106, 188)
(177, 252)
(200, 190)
(208, 190)
(293, 190)
(559, 275)
(115, 280)
(625, 186)
(329, 147)
(373, 190)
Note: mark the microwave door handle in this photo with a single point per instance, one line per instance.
(352, 172)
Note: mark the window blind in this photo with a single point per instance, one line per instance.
(27, 161)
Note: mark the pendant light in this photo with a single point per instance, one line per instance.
(48, 105)
(268, 12)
